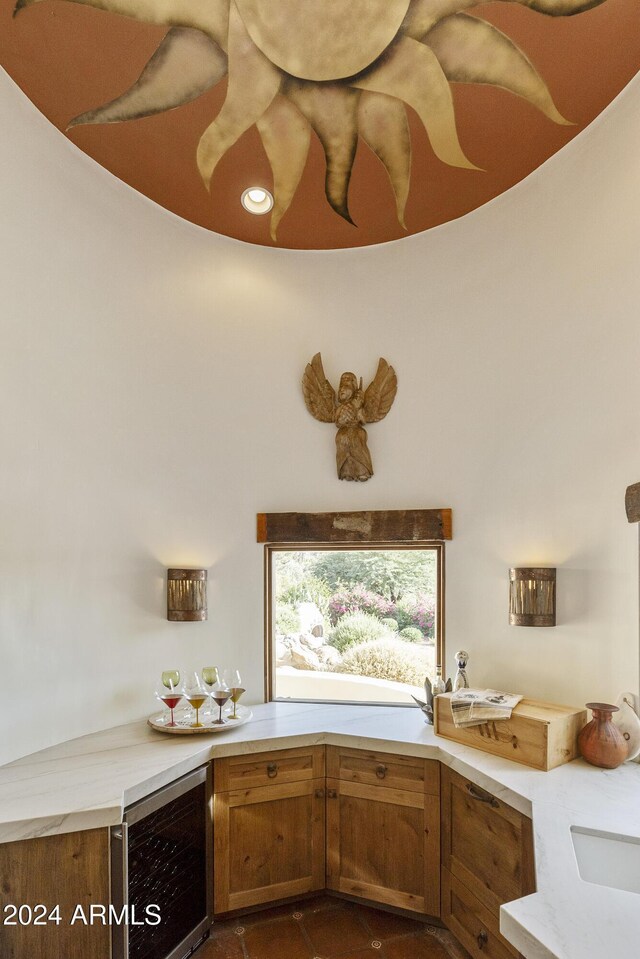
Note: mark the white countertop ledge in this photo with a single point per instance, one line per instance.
(87, 783)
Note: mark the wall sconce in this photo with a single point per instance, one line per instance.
(532, 596)
(187, 595)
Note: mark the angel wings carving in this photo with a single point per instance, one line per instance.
(349, 410)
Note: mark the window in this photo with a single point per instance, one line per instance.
(353, 622)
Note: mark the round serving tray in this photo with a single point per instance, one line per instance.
(183, 725)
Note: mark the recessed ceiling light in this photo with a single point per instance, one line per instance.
(255, 199)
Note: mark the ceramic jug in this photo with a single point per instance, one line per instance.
(600, 742)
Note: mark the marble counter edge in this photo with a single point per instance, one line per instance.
(107, 811)
(521, 937)
(79, 820)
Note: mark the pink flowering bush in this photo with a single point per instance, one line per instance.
(357, 599)
(418, 611)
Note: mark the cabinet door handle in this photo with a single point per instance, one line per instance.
(332, 793)
(319, 794)
(381, 771)
(482, 939)
(482, 796)
(272, 770)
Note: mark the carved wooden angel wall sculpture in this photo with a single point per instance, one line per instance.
(352, 407)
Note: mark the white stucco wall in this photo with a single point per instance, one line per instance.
(150, 406)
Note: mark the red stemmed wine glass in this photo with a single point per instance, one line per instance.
(168, 692)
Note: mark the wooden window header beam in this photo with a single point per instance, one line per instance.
(632, 503)
(374, 526)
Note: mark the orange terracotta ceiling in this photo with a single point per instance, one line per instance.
(326, 82)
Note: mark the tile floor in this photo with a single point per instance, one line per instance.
(328, 928)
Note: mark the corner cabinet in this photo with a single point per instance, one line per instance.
(399, 831)
(383, 828)
(487, 860)
(268, 827)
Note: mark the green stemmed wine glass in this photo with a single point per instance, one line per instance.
(210, 677)
(171, 678)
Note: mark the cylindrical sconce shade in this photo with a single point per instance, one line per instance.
(532, 596)
(187, 595)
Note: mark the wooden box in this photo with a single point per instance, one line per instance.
(541, 735)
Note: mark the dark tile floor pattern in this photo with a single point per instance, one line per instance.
(328, 928)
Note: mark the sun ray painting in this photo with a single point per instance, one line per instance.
(326, 95)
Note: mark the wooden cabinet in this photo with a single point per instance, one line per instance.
(269, 827)
(487, 859)
(470, 922)
(71, 871)
(383, 830)
(365, 824)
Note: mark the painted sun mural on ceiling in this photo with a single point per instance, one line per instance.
(367, 119)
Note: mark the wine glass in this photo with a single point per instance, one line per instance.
(233, 680)
(210, 677)
(171, 678)
(170, 696)
(195, 694)
(220, 695)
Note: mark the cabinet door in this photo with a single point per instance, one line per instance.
(471, 923)
(69, 870)
(486, 844)
(269, 843)
(384, 845)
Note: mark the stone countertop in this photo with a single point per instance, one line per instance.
(87, 783)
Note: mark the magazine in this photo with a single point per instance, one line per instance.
(472, 707)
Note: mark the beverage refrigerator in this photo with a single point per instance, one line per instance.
(162, 872)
